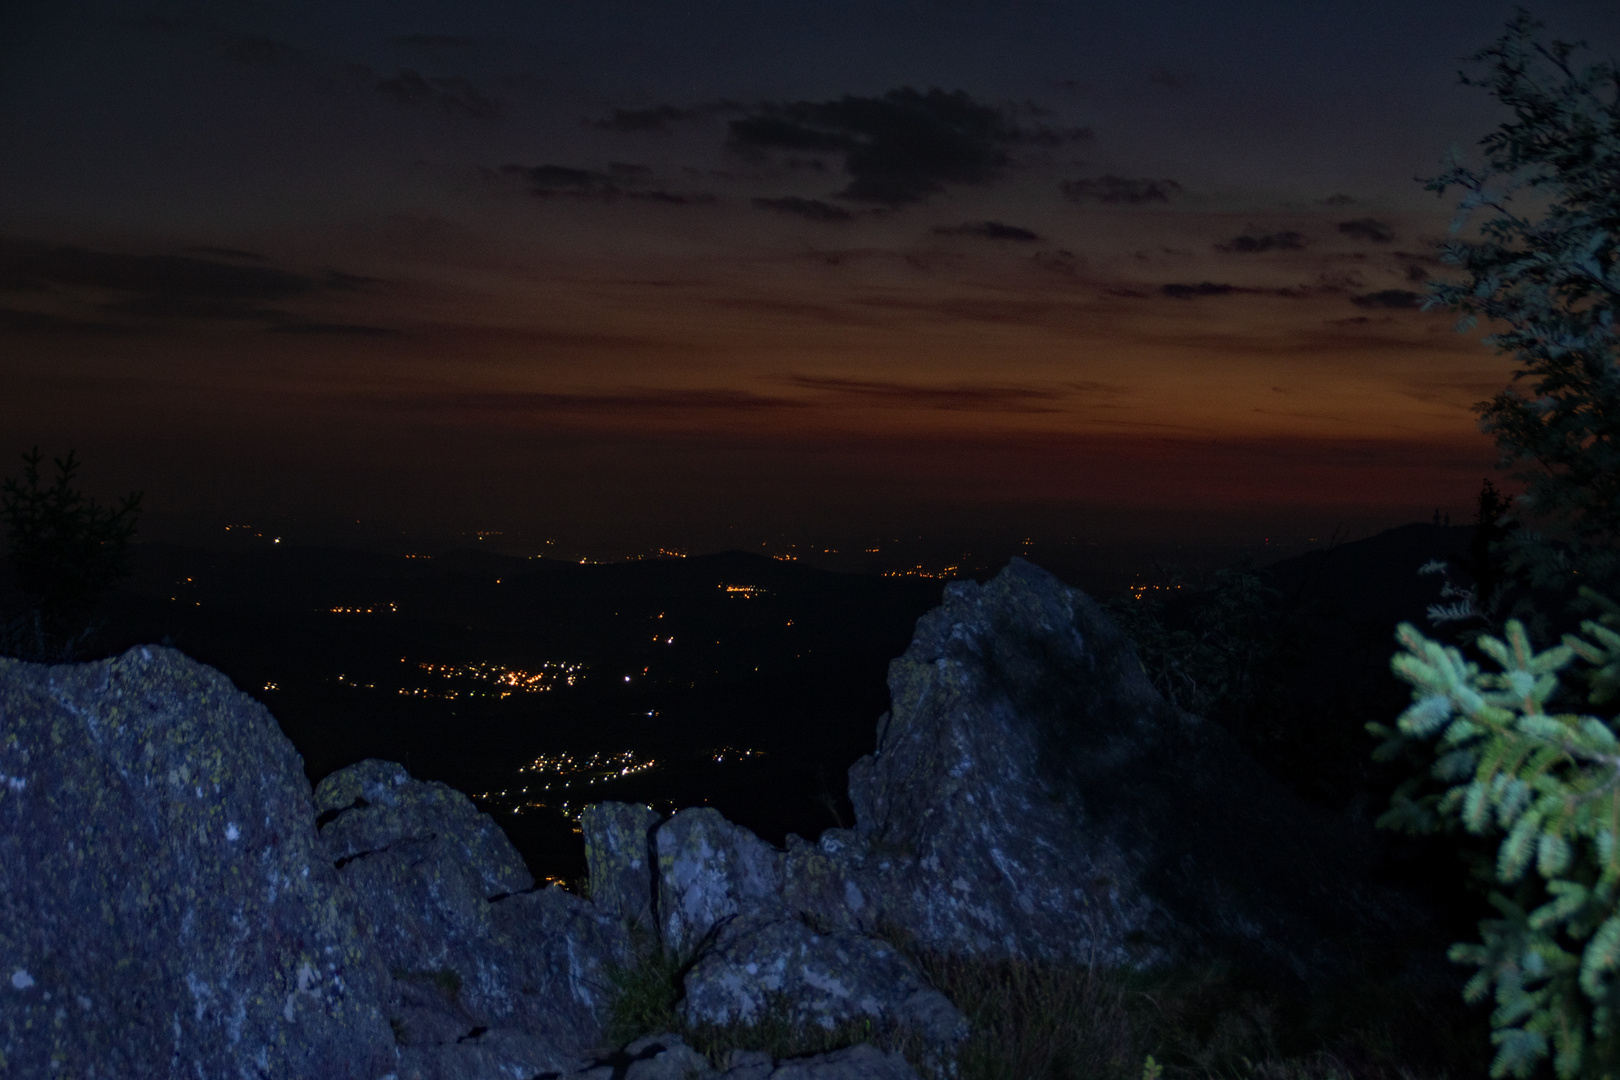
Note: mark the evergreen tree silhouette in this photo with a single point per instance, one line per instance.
(67, 553)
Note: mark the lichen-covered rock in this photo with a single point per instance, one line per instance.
(863, 1062)
(368, 808)
(482, 1055)
(619, 858)
(165, 905)
(710, 870)
(440, 894)
(755, 966)
(665, 1057)
(818, 882)
(1031, 794)
(558, 952)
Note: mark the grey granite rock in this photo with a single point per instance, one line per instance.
(710, 870)
(1032, 795)
(818, 882)
(165, 905)
(484, 1055)
(620, 860)
(863, 1062)
(443, 899)
(665, 1057)
(821, 979)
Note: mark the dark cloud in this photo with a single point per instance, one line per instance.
(162, 277)
(434, 41)
(658, 118)
(155, 306)
(968, 397)
(1203, 288)
(1119, 189)
(550, 181)
(337, 329)
(258, 50)
(898, 148)
(227, 253)
(1060, 261)
(1388, 298)
(990, 230)
(44, 322)
(1416, 273)
(973, 309)
(1253, 243)
(337, 279)
(1337, 200)
(453, 94)
(651, 399)
(814, 209)
(1367, 229)
(672, 198)
(99, 291)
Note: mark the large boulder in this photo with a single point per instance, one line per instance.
(664, 1056)
(1032, 795)
(720, 902)
(482, 967)
(619, 860)
(710, 871)
(755, 967)
(165, 904)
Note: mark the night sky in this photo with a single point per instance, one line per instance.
(626, 275)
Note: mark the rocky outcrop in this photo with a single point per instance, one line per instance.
(619, 860)
(174, 900)
(709, 872)
(1032, 795)
(665, 1057)
(166, 907)
(482, 967)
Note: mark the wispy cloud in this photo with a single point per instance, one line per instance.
(1367, 229)
(453, 94)
(967, 397)
(331, 328)
(1388, 298)
(899, 148)
(227, 252)
(812, 209)
(171, 277)
(1178, 291)
(661, 118)
(658, 118)
(1254, 242)
(990, 230)
(652, 399)
(77, 289)
(621, 179)
(1132, 191)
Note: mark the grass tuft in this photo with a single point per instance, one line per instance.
(1035, 1020)
(644, 994)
